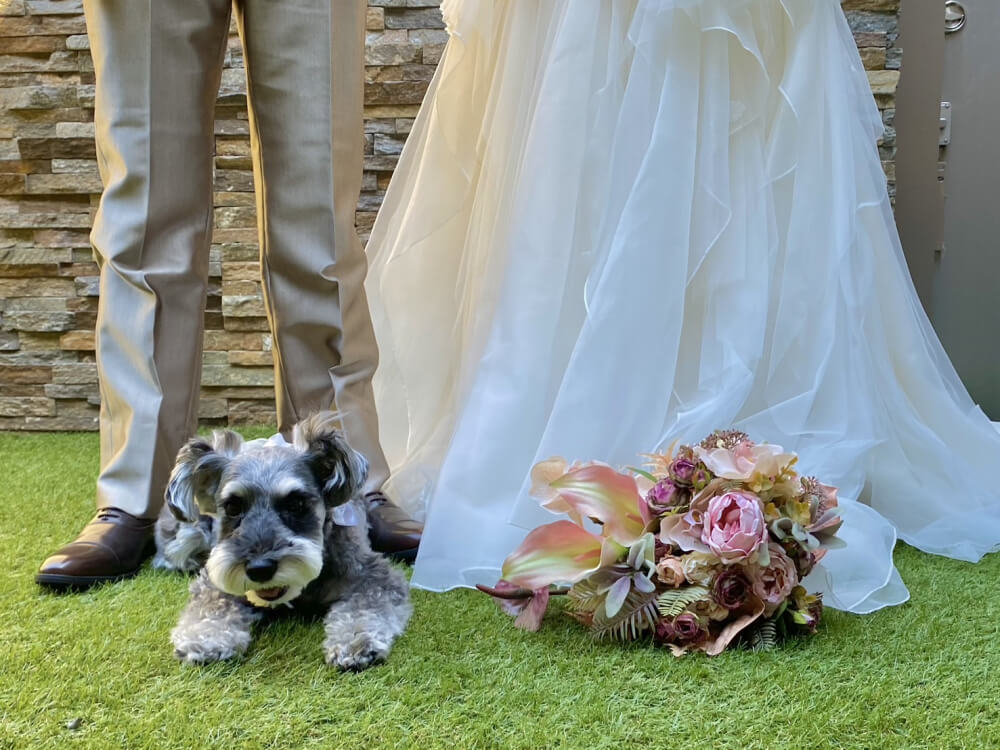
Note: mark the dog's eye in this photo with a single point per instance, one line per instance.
(296, 503)
(233, 507)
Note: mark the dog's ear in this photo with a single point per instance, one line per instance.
(340, 470)
(196, 474)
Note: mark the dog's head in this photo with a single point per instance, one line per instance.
(271, 503)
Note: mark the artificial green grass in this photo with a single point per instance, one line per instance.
(923, 675)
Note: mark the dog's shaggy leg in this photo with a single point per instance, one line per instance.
(361, 627)
(214, 626)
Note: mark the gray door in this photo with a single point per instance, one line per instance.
(965, 289)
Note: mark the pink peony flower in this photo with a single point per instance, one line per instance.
(733, 526)
(775, 581)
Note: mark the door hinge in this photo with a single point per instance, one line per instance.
(944, 124)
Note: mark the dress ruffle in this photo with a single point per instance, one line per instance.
(620, 223)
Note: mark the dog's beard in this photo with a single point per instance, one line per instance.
(300, 563)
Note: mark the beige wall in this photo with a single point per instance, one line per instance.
(49, 188)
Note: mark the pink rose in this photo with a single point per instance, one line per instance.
(670, 571)
(774, 582)
(733, 526)
(663, 496)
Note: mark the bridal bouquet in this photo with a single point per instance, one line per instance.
(704, 548)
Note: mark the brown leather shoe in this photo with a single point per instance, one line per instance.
(110, 548)
(391, 531)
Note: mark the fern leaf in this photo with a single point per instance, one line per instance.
(673, 601)
(585, 597)
(765, 637)
(637, 615)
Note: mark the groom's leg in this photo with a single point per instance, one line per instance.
(305, 79)
(157, 67)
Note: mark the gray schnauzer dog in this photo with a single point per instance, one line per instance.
(278, 524)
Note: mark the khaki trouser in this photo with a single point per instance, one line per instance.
(158, 64)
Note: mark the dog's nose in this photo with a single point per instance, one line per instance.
(261, 570)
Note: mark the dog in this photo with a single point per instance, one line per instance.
(274, 526)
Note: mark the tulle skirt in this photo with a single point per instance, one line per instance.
(621, 223)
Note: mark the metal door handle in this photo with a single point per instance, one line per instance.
(954, 16)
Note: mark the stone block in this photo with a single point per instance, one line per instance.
(25, 374)
(86, 166)
(55, 7)
(77, 341)
(392, 54)
(251, 359)
(252, 413)
(78, 41)
(224, 341)
(26, 407)
(419, 18)
(87, 286)
(35, 287)
(9, 341)
(38, 97)
(241, 271)
(881, 6)
(82, 373)
(246, 324)
(243, 306)
(226, 375)
(883, 82)
(89, 392)
(58, 147)
(233, 217)
(26, 320)
(213, 408)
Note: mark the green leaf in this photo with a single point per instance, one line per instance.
(673, 601)
(642, 473)
(780, 610)
(765, 637)
(616, 596)
(636, 615)
(585, 597)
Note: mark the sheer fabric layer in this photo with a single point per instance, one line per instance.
(616, 224)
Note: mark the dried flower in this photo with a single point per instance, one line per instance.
(663, 496)
(731, 588)
(670, 571)
(682, 470)
(686, 629)
(700, 567)
(775, 581)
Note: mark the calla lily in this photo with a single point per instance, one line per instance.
(528, 607)
(606, 496)
(559, 552)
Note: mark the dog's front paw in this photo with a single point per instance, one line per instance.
(360, 653)
(205, 648)
(204, 653)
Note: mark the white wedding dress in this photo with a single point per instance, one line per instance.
(621, 222)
